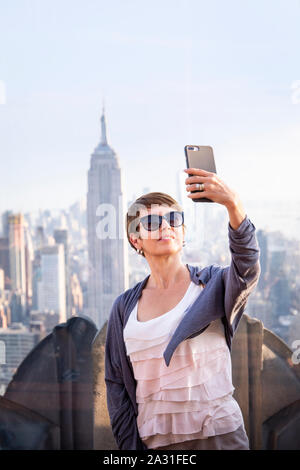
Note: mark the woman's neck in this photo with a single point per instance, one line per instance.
(167, 275)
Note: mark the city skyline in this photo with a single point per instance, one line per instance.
(280, 215)
(271, 216)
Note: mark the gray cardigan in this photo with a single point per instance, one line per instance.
(224, 296)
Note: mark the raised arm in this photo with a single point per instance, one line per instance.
(117, 375)
(243, 273)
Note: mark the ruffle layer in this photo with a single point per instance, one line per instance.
(149, 409)
(153, 368)
(142, 347)
(208, 342)
(207, 421)
(215, 388)
(226, 424)
(182, 378)
(134, 345)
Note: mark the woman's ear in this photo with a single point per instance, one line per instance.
(132, 239)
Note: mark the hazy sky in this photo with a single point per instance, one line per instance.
(172, 73)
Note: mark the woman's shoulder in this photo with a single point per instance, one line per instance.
(124, 301)
(204, 274)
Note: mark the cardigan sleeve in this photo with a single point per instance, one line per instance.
(120, 407)
(242, 275)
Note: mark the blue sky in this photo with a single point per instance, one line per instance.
(171, 73)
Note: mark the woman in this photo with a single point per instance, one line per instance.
(167, 357)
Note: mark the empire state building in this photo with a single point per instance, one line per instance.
(107, 242)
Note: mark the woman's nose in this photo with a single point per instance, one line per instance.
(165, 224)
(166, 228)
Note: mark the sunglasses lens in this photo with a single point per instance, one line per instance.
(176, 219)
(150, 222)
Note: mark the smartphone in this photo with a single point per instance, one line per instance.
(200, 156)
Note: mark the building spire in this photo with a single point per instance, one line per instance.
(103, 127)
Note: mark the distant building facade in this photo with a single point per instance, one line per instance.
(17, 252)
(51, 288)
(16, 341)
(107, 253)
(4, 261)
(61, 236)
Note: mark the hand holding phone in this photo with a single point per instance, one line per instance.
(202, 157)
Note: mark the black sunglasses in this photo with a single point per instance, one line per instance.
(152, 222)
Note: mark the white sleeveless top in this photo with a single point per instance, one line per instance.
(192, 397)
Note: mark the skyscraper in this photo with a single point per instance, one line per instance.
(76, 295)
(18, 342)
(17, 261)
(51, 288)
(17, 252)
(61, 236)
(29, 257)
(5, 223)
(4, 261)
(40, 237)
(40, 242)
(107, 249)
